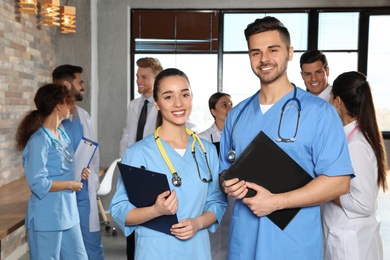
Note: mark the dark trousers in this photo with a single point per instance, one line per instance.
(130, 246)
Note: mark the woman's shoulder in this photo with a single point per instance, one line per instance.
(143, 146)
(39, 136)
(209, 131)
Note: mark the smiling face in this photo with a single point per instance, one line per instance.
(78, 87)
(174, 100)
(269, 56)
(145, 81)
(315, 77)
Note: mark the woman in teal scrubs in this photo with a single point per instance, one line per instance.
(194, 193)
(52, 219)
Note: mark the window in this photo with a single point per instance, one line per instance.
(239, 80)
(378, 64)
(175, 31)
(338, 38)
(210, 47)
(201, 70)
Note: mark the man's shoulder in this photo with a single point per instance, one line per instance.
(81, 110)
(136, 100)
(82, 113)
(134, 103)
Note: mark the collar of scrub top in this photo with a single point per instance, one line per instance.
(55, 142)
(176, 179)
(231, 155)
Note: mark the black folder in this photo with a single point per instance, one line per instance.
(143, 187)
(263, 162)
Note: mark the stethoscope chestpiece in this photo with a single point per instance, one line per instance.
(231, 155)
(176, 180)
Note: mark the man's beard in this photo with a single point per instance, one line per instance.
(77, 95)
(271, 78)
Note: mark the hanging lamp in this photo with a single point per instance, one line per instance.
(28, 6)
(68, 19)
(50, 15)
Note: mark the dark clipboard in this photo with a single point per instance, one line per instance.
(280, 173)
(143, 187)
(84, 154)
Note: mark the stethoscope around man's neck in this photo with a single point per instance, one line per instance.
(231, 155)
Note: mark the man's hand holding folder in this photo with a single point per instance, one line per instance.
(264, 170)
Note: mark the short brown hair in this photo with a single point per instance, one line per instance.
(152, 63)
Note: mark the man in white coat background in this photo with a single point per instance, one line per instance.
(315, 73)
(148, 68)
(79, 125)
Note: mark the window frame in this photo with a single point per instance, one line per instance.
(313, 31)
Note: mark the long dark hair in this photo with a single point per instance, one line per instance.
(46, 99)
(354, 90)
(170, 72)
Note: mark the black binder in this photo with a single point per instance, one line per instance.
(263, 162)
(143, 187)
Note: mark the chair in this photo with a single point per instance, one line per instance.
(105, 188)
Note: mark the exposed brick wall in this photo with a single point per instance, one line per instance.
(26, 61)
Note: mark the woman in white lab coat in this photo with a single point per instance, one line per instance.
(219, 105)
(351, 224)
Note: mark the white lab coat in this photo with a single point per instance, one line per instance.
(353, 231)
(93, 179)
(325, 94)
(130, 130)
(211, 134)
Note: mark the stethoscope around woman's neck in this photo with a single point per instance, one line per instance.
(63, 152)
(231, 155)
(176, 179)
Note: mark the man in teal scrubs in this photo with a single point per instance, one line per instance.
(319, 146)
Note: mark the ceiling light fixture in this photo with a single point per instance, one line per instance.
(28, 6)
(68, 19)
(50, 15)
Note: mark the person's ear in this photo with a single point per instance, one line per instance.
(58, 107)
(339, 103)
(67, 84)
(290, 53)
(155, 104)
(327, 71)
(213, 112)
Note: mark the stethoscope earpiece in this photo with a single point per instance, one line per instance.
(231, 155)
